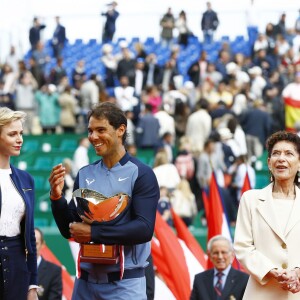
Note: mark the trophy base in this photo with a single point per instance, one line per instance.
(99, 254)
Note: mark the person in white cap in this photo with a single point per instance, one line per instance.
(258, 83)
(110, 62)
(234, 72)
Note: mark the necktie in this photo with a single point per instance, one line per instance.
(218, 286)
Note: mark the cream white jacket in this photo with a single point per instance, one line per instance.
(260, 245)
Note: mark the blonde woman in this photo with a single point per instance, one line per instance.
(184, 202)
(165, 172)
(18, 264)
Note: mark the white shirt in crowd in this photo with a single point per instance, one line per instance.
(80, 159)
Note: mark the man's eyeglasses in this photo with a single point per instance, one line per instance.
(221, 253)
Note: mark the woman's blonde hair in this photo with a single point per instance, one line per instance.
(7, 116)
(185, 188)
(184, 143)
(161, 158)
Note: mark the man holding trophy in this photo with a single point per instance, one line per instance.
(111, 214)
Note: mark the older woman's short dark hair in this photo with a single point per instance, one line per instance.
(286, 136)
(280, 136)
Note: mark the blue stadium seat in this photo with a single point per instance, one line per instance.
(183, 67)
(135, 40)
(92, 42)
(59, 159)
(43, 163)
(40, 222)
(225, 38)
(68, 145)
(120, 39)
(211, 48)
(30, 145)
(78, 42)
(240, 38)
(193, 40)
(149, 49)
(262, 180)
(110, 91)
(213, 56)
(149, 41)
(39, 183)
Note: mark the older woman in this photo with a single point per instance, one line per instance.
(267, 235)
(18, 265)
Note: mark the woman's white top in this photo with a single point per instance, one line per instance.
(184, 206)
(12, 207)
(283, 209)
(167, 175)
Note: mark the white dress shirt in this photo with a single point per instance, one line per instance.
(224, 277)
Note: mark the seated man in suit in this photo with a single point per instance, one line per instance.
(49, 274)
(222, 282)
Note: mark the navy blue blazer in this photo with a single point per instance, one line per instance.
(234, 288)
(35, 34)
(60, 34)
(25, 186)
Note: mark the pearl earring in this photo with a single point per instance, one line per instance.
(271, 175)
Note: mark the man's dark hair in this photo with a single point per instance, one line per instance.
(93, 76)
(148, 107)
(202, 103)
(111, 112)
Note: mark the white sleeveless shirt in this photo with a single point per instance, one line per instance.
(12, 207)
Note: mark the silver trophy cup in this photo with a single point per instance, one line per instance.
(98, 208)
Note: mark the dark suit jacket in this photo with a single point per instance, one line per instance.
(35, 34)
(203, 288)
(209, 20)
(60, 34)
(157, 73)
(256, 122)
(50, 280)
(194, 73)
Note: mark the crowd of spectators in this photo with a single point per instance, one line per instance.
(223, 110)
